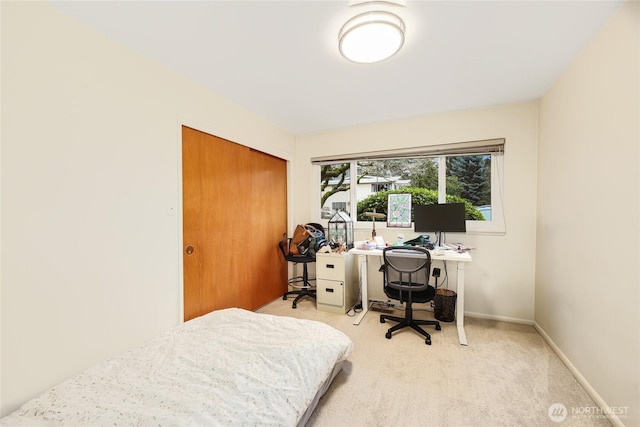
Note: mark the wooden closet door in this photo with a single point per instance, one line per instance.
(268, 223)
(216, 176)
(234, 213)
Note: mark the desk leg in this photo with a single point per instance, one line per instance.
(462, 337)
(364, 284)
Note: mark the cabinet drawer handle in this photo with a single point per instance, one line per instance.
(328, 290)
(329, 265)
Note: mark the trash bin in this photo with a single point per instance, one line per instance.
(445, 305)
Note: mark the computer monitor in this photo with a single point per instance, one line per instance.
(439, 218)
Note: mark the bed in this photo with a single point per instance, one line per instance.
(228, 367)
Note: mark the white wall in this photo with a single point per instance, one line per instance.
(499, 282)
(91, 197)
(587, 279)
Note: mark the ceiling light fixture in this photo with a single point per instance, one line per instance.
(371, 37)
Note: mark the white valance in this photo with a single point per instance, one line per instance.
(487, 146)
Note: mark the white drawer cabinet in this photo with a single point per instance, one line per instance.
(336, 282)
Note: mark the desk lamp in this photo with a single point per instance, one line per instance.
(373, 215)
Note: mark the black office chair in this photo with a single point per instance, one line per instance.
(302, 283)
(406, 272)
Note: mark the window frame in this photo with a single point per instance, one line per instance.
(496, 225)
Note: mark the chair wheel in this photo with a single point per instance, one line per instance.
(427, 341)
(294, 306)
(438, 328)
(388, 335)
(382, 320)
(284, 297)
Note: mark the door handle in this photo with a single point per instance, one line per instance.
(188, 250)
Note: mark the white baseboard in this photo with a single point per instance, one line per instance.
(581, 379)
(500, 318)
(615, 421)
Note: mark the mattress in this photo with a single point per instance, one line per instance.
(228, 367)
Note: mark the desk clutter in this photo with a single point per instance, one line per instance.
(378, 242)
(422, 241)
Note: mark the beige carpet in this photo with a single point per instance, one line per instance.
(506, 376)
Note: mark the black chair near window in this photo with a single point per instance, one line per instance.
(406, 273)
(301, 284)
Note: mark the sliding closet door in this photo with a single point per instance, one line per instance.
(268, 203)
(234, 210)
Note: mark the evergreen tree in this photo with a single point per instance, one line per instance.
(454, 187)
(473, 175)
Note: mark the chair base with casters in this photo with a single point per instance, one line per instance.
(409, 321)
(306, 289)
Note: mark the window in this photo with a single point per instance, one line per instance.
(379, 187)
(335, 185)
(465, 172)
(339, 206)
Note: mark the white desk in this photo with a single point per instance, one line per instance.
(448, 255)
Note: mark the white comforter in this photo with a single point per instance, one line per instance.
(228, 367)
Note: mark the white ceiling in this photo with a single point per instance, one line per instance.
(280, 59)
